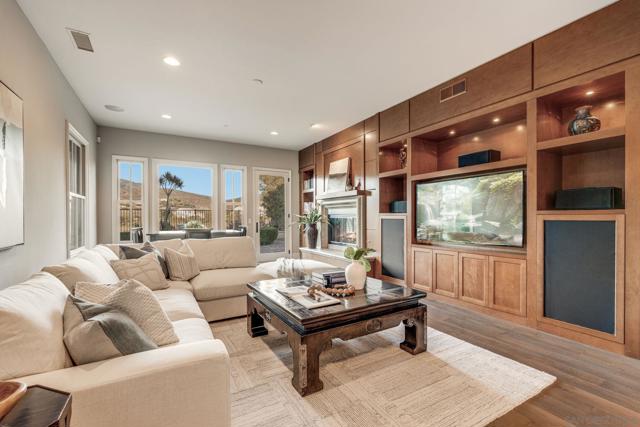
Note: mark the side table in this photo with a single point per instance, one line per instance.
(40, 407)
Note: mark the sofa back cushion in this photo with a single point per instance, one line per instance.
(82, 269)
(224, 252)
(31, 328)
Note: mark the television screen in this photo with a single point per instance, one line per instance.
(478, 210)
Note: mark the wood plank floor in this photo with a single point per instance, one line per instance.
(594, 388)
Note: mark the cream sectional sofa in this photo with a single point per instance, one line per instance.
(184, 384)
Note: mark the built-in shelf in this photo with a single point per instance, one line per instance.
(485, 167)
(581, 212)
(309, 190)
(393, 173)
(341, 194)
(594, 141)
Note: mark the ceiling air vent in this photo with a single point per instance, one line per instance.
(453, 90)
(81, 40)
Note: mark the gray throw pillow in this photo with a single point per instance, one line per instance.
(94, 332)
(129, 252)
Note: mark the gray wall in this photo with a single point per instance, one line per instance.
(158, 146)
(28, 69)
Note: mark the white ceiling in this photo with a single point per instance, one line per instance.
(332, 62)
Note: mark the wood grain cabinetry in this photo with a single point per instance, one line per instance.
(592, 42)
(502, 78)
(394, 121)
(473, 273)
(508, 284)
(422, 260)
(306, 157)
(445, 273)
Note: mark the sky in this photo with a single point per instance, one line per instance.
(196, 180)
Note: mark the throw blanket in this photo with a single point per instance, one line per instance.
(290, 268)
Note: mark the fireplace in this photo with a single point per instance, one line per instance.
(342, 226)
(345, 221)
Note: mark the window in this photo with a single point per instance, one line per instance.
(184, 195)
(129, 188)
(233, 197)
(77, 208)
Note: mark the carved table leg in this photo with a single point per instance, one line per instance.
(255, 323)
(414, 333)
(306, 363)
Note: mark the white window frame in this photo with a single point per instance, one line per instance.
(288, 211)
(115, 194)
(155, 188)
(75, 137)
(244, 204)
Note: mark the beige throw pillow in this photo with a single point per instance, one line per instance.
(94, 332)
(138, 302)
(145, 269)
(182, 263)
(80, 270)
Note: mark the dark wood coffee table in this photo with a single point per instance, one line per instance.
(379, 306)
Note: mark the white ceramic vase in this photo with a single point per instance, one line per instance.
(356, 275)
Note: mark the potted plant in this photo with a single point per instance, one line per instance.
(309, 223)
(356, 272)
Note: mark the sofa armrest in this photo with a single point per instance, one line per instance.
(182, 385)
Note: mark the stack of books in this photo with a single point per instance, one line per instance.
(328, 278)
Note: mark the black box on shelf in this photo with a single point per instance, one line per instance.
(589, 198)
(398, 206)
(478, 158)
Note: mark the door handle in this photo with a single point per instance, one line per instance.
(256, 227)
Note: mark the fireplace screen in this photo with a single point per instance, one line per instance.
(342, 229)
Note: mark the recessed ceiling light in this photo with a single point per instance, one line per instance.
(166, 116)
(315, 126)
(452, 132)
(476, 138)
(520, 128)
(258, 81)
(610, 105)
(496, 120)
(114, 108)
(171, 60)
(274, 133)
(589, 92)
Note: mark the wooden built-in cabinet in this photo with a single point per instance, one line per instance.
(519, 104)
(473, 274)
(508, 285)
(502, 78)
(604, 37)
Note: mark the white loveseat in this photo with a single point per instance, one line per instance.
(185, 384)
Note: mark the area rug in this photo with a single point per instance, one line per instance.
(370, 382)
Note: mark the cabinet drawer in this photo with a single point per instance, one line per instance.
(500, 79)
(474, 278)
(508, 285)
(604, 37)
(423, 268)
(394, 121)
(445, 273)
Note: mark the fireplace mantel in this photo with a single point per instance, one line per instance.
(343, 194)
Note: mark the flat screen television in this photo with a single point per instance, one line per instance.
(483, 210)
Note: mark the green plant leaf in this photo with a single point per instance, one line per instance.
(349, 252)
(358, 254)
(367, 265)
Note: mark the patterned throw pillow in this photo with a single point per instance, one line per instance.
(182, 263)
(94, 332)
(145, 269)
(129, 252)
(138, 302)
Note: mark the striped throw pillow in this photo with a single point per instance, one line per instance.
(182, 263)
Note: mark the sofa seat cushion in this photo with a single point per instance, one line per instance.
(31, 328)
(192, 330)
(179, 304)
(225, 252)
(180, 284)
(225, 282)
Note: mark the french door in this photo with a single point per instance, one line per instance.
(272, 189)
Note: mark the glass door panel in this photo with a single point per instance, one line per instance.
(272, 213)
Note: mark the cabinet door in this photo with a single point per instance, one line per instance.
(445, 273)
(607, 36)
(423, 268)
(502, 78)
(508, 285)
(394, 121)
(474, 278)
